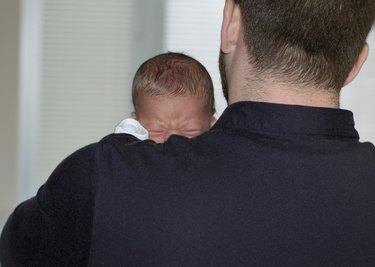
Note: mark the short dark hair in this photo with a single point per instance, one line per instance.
(308, 41)
(173, 74)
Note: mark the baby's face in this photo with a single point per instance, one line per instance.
(163, 116)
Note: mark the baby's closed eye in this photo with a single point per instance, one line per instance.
(190, 132)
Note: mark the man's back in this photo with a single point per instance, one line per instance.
(271, 193)
(269, 185)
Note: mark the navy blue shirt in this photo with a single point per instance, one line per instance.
(268, 185)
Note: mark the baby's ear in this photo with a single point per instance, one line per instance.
(134, 115)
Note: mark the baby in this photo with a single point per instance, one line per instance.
(172, 94)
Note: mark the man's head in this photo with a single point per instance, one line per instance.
(312, 43)
(173, 94)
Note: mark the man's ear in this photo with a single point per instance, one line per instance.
(134, 115)
(358, 64)
(231, 26)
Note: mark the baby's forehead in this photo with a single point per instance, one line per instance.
(185, 96)
(175, 103)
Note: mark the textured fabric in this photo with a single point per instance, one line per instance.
(268, 185)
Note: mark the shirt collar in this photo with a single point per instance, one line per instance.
(281, 119)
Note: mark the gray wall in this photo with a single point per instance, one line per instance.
(9, 36)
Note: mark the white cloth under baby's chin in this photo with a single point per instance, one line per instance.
(132, 127)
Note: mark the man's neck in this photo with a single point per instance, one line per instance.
(286, 94)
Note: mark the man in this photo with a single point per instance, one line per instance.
(280, 180)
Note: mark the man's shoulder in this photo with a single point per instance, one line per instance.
(107, 143)
(119, 138)
(123, 143)
(124, 153)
